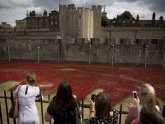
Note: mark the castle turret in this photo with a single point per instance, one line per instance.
(104, 13)
(153, 18)
(161, 21)
(80, 22)
(44, 13)
(137, 18)
(161, 18)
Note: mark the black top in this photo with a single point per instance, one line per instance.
(62, 116)
(111, 120)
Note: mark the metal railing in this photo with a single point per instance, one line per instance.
(41, 101)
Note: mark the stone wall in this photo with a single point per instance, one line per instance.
(79, 50)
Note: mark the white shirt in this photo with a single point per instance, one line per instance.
(28, 113)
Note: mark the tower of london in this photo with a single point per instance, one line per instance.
(80, 22)
(77, 34)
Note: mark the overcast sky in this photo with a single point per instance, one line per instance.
(11, 10)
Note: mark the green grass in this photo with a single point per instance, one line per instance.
(7, 85)
(67, 69)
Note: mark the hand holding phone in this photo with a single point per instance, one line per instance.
(93, 97)
(134, 93)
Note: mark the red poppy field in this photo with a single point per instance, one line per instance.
(118, 81)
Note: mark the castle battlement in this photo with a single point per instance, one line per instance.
(80, 8)
(62, 6)
(133, 28)
(99, 7)
(71, 6)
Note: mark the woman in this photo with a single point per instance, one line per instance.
(150, 116)
(147, 97)
(101, 110)
(62, 107)
(27, 94)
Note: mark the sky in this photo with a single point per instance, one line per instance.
(12, 10)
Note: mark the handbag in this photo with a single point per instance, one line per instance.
(13, 112)
(79, 119)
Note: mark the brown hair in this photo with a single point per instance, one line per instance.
(150, 116)
(103, 106)
(64, 99)
(31, 77)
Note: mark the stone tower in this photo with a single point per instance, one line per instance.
(97, 21)
(80, 22)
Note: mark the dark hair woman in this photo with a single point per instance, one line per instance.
(101, 110)
(150, 115)
(62, 106)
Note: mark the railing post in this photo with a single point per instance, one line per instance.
(82, 108)
(12, 101)
(48, 103)
(42, 111)
(1, 120)
(120, 113)
(6, 105)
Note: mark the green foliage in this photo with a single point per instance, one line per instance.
(104, 21)
(126, 16)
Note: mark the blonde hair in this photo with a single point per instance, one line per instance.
(148, 96)
(31, 77)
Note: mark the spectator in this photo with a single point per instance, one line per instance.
(62, 106)
(27, 94)
(150, 116)
(163, 111)
(146, 96)
(101, 110)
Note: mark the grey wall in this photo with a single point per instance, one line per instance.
(79, 50)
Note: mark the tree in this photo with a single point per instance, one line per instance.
(126, 16)
(104, 21)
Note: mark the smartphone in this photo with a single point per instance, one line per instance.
(134, 93)
(93, 97)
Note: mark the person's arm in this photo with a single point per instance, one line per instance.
(15, 93)
(39, 95)
(92, 109)
(132, 114)
(47, 117)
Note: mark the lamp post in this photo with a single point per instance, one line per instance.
(38, 54)
(113, 49)
(146, 55)
(163, 59)
(8, 50)
(138, 60)
(164, 54)
(90, 47)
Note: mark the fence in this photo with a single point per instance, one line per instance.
(7, 98)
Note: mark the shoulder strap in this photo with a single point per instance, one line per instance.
(26, 90)
(18, 91)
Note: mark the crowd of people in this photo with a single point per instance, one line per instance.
(65, 108)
